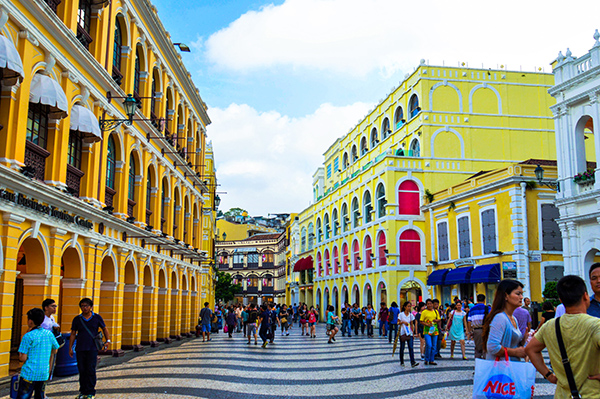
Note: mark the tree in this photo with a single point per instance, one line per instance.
(236, 212)
(225, 289)
(550, 293)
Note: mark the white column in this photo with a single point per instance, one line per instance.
(525, 260)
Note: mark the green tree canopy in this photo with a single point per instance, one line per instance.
(236, 212)
(225, 290)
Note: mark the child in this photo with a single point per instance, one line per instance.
(37, 350)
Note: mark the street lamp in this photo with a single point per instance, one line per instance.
(539, 175)
(182, 47)
(130, 104)
(224, 236)
(217, 201)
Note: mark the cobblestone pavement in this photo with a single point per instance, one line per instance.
(294, 366)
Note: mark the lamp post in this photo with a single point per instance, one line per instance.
(130, 104)
(182, 47)
(539, 175)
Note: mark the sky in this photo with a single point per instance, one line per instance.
(284, 79)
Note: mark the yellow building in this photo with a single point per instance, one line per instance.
(240, 228)
(209, 222)
(494, 225)
(366, 232)
(113, 213)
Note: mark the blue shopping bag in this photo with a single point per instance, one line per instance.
(503, 379)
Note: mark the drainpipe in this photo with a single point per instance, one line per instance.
(525, 246)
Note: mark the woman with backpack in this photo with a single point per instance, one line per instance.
(312, 322)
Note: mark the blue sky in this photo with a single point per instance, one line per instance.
(283, 79)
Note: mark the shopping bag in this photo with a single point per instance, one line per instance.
(225, 329)
(502, 379)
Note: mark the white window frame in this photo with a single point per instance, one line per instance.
(468, 216)
(481, 210)
(437, 238)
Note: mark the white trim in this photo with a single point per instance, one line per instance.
(485, 86)
(448, 129)
(445, 82)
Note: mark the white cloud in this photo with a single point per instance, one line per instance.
(359, 36)
(265, 161)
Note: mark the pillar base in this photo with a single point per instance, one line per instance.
(176, 337)
(113, 352)
(165, 340)
(152, 344)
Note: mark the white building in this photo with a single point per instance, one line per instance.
(577, 119)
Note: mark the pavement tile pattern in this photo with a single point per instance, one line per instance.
(294, 366)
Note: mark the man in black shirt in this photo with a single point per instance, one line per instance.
(264, 321)
(251, 323)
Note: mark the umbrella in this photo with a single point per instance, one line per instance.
(395, 343)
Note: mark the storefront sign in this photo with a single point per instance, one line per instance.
(509, 269)
(50, 210)
(536, 258)
(465, 262)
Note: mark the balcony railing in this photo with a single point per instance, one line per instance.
(267, 290)
(74, 176)
(84, 37)
(117, 75)
(252, 290)
(109, 193)
(148, 216)
(35, 157)
(130, 207)
(53, 4)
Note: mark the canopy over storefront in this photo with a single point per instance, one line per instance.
(486, 274)
(10, 59)
(461, 275)
(84, 121)
(47, 91)
(304, 264)
(437, 277)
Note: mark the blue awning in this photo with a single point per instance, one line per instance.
(486, 274)
(437, 277)
(462, 275)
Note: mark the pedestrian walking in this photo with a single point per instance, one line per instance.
(274, 322)
(264, 322)
(346, 321)
(312, 322)
(284, 317)
(37, 349)
(49, 307)
(594, 308)
(245, 319)
(406, 321)
(85, 328)
(355, 317)
(206, 316)
(238, 318)
(573, 342)
(393, 321)
(500, 329)
(251, 323)
(383, 319)
(548, 313)
(430, 319)
(332, 320)
(370, 317)
(420, 329)
(457, 326)
(303, 322)
(475, 320)
(440, 337)
(523, 319)
(231, 320)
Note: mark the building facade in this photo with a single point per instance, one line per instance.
(577, 118)
(366, 232)
(494, 225)
(257, 263)
(92, 207)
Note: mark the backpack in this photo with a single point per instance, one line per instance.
(391, 315)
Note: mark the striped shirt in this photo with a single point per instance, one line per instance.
(477, 314)
(37, 344)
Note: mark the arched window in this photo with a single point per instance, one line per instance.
(363, 146)
(136, 75)
(345, 162)
(413, 106)
(355, 213)
(327, 226)
(336, 260)
(74, 173)
(335, 222)
(111, 163)
(356, 255)
(374, 138)
(368, 207)
(385, 129)
(368, 252)
(345, 257)
(410, 248)
(303, 240)
(319, 266)
(415, 149)
(117, 53)
(319, 231)
(345, 218)
(131, 188)
(408, 198)
(327, 263)
(381, 201)
(354, 153)
(399, 118)
(311, 236)
(381, 249)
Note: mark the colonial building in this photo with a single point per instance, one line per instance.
(577, 119)
(257, 263)
(494, 225)
(365, 234)
(102, 146)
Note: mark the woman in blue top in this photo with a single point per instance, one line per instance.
(369, 317)
(500, 328)
(331, 324)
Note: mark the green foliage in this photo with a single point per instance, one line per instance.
(550, 293)
(530, 185)
(428, 196)
(452, 206)
(225, 290)
(235, 212)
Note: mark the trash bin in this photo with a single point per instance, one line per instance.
(65, 364)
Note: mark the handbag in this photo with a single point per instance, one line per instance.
(503, 379)
(225, 329)
(566, 362)
(59, 337)
(98, 338)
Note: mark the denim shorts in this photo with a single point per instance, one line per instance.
(206, 328)
(312, 324)
(251, 329)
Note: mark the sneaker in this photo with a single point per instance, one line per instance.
(415, 364)
(464, 358)
(422, 357)
(402, 364)
(264, 345)
(432, 363)
(438, 356)
(287, 334)
(248, 342)
(426, 363)
(333, 339)
(255, 343)
(451, 356)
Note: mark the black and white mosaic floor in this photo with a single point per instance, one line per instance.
(294, 366)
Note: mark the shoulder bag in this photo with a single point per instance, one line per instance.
(98, 338)
(566, 362)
